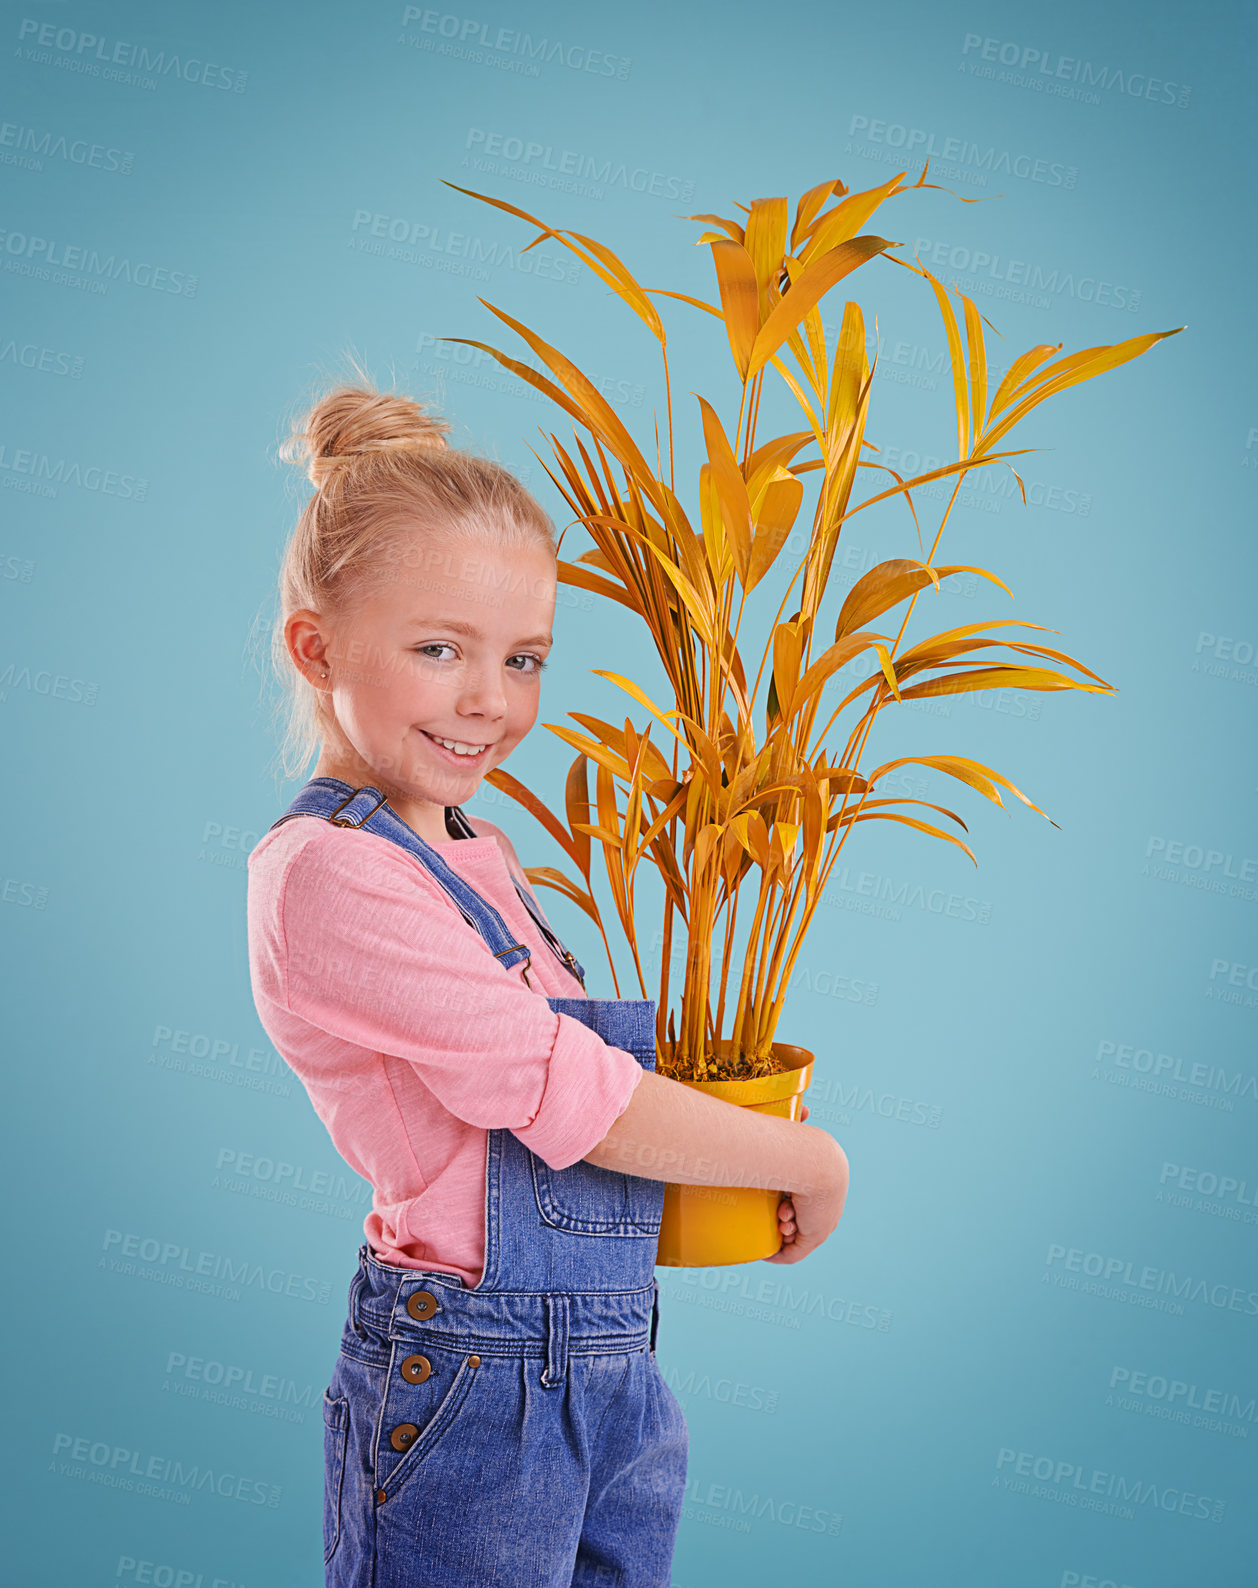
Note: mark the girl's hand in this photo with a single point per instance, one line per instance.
(786, 1208)
(822, 1213)
(787, 1227)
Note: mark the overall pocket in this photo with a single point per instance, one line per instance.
(584, 1199)
(419, 1414)
(335, 1434)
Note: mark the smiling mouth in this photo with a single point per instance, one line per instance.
(457, 749)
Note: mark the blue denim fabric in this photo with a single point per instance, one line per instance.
(519, 1433)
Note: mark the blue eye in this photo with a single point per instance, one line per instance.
(444, 645)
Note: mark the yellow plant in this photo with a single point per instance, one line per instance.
(711, 800)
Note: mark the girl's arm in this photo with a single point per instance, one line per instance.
(673, 1132)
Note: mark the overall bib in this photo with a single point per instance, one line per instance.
(520, 1433)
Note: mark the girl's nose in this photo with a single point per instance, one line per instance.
(483, 695)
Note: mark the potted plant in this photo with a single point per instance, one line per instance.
(738, 790)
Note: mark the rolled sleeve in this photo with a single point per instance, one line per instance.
(370, 949)
(588, 1088)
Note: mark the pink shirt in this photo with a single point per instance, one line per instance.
(412, 1040)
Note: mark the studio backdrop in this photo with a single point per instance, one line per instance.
(1026, 1358)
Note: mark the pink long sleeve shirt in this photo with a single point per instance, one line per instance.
(411, 1039)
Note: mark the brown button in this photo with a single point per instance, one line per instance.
(416, 1369)
(473, 1361)
(421, 1305)
(404, 1436)
(381, 1496)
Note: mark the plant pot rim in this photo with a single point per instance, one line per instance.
(764, 1088)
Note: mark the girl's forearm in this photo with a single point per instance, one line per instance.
(673, 1132)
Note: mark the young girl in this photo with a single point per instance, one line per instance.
(496, 1414)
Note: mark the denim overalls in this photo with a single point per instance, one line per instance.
(520, 1433)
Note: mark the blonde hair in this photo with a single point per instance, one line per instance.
(378, 462)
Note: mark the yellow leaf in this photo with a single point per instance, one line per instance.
(817, 279)
(642, 698)
(808, 207)
(594, 409)
(1000, 676)
(617, 276)
(548, 877)
(570, 573)
(730, 228)
(600, 754)
(883, 587)
(983, 778)
(830, 660)
(774, 509)
(577, 804)
(730, 487)
(1018, 371)
(1070, 371)
(736, 279)
(765, 238)
(788, 644)
(978, 366)
(506, 784)
(956, 358)
(909, 821)
(843, 222)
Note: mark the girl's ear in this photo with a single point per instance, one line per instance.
(306, 646)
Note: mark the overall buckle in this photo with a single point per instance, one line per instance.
(344, 821)
(528, 959)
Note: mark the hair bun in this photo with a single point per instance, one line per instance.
(354, 420)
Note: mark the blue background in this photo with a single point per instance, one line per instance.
(1027, 1354)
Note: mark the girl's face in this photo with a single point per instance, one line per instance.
(433, 670)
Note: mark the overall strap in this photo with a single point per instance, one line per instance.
(564, 955)
(343, 806)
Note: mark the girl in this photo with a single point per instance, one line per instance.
(496, 1413)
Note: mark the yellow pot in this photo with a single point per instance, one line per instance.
(707, 1226)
